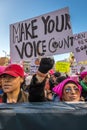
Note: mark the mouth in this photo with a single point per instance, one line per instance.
(6, 86)
(73, 97)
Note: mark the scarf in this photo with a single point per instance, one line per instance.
(84, 85)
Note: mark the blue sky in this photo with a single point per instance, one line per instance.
(12, 11)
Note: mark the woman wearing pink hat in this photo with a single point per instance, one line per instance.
(69, 90)
(83, 83)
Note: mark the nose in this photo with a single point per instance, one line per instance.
(73, 91)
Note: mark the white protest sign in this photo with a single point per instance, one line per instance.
(80, 46)
(45, 35)
(73, 70)
(33, 66)
(78, 69)
(82, 68)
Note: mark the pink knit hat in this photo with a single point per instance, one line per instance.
(59, 88)
(2, 68)
(83, 74)
(51, 72)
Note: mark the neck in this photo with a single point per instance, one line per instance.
(13, 96)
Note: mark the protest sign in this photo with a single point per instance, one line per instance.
(80, 46)
(63, 67)
(41, 36)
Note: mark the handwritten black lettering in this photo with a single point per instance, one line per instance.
(79, 36)
(29, 49)
(65, 43)
(24, 31)
(59, 24)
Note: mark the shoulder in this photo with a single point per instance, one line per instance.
(56, 98)
(23, 96)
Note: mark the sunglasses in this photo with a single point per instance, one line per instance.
(69, 90)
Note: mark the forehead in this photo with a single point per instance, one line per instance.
(85, 76)
(72, 84)
(6, 75)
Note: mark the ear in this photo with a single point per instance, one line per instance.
(21, 79)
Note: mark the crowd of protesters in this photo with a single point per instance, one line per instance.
(44, 85)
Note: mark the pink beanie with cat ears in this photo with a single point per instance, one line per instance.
(59, 88)
(2, 68)
(83, 74)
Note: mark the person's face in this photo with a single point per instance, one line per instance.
(85, 79)
(71, 93)
(10, 83)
